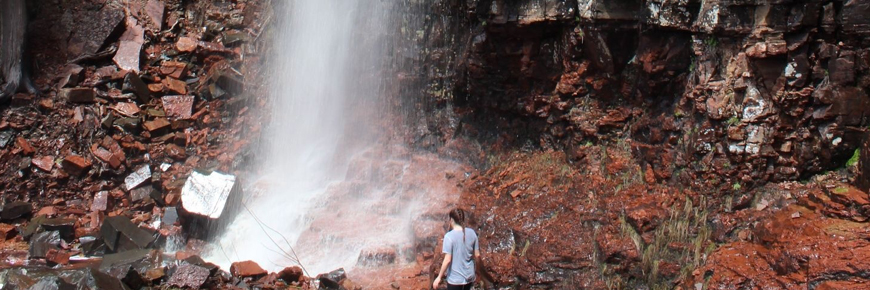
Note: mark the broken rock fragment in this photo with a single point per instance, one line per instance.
(138, 177)
(76, 164)
(332, 280)
(175, 86)
(178, 107)
(186, 44)
(43, 242)
(120, 234)
(128, 55)
(246, 269)
(206, 195)
(134, 84)
(189, 276)
(78, 95)
(205, 202)
(101, 201)
(156, 125)
(174, 69)
(15, 209)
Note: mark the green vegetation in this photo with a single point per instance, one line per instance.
(688, 227)
(855, 158)
(734, 120)
(711, 42)
(736, 186)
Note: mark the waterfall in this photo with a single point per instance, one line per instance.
(327, 83)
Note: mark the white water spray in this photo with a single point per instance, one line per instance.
(326, 68)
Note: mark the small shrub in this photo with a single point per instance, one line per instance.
(855, 157)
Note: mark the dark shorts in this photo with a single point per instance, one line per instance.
(459, 287)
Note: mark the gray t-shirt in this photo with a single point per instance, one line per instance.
(461, 270)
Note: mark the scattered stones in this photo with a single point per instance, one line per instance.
(246, 269)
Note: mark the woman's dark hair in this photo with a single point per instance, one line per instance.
(458, 216)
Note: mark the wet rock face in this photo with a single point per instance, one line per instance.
(13, 25)
(732, 91)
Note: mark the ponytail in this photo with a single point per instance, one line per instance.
(458, 216)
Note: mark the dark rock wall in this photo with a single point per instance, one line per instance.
(13, 23)
(726, 92)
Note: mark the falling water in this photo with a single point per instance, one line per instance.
(327, 70)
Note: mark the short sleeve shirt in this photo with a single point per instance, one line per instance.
(461, 270)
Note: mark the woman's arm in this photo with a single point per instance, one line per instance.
(447, 259)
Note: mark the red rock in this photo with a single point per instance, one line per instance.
(76, 164)
(178, 107)
(175, 86)
(48, 211)
(246, 269)
(186, 44)
(128, 55)
(156, 125)
(171, 199)
(45, 163)
(155, 88)
(183, 255)
(174, 69)
(24, 145)
(45, 104)
(291, 274)
(126, 108)
(59, 257)
(155, 10)
(7, 232)
(175, 151)
(100, 202)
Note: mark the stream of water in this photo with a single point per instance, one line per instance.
(327, 67)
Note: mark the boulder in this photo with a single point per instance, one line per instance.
(120, 234)
(247, 269)
(189, 276)
(206, 201)
(15, 209)
(291, 274)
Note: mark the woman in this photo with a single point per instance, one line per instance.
(459, 244)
